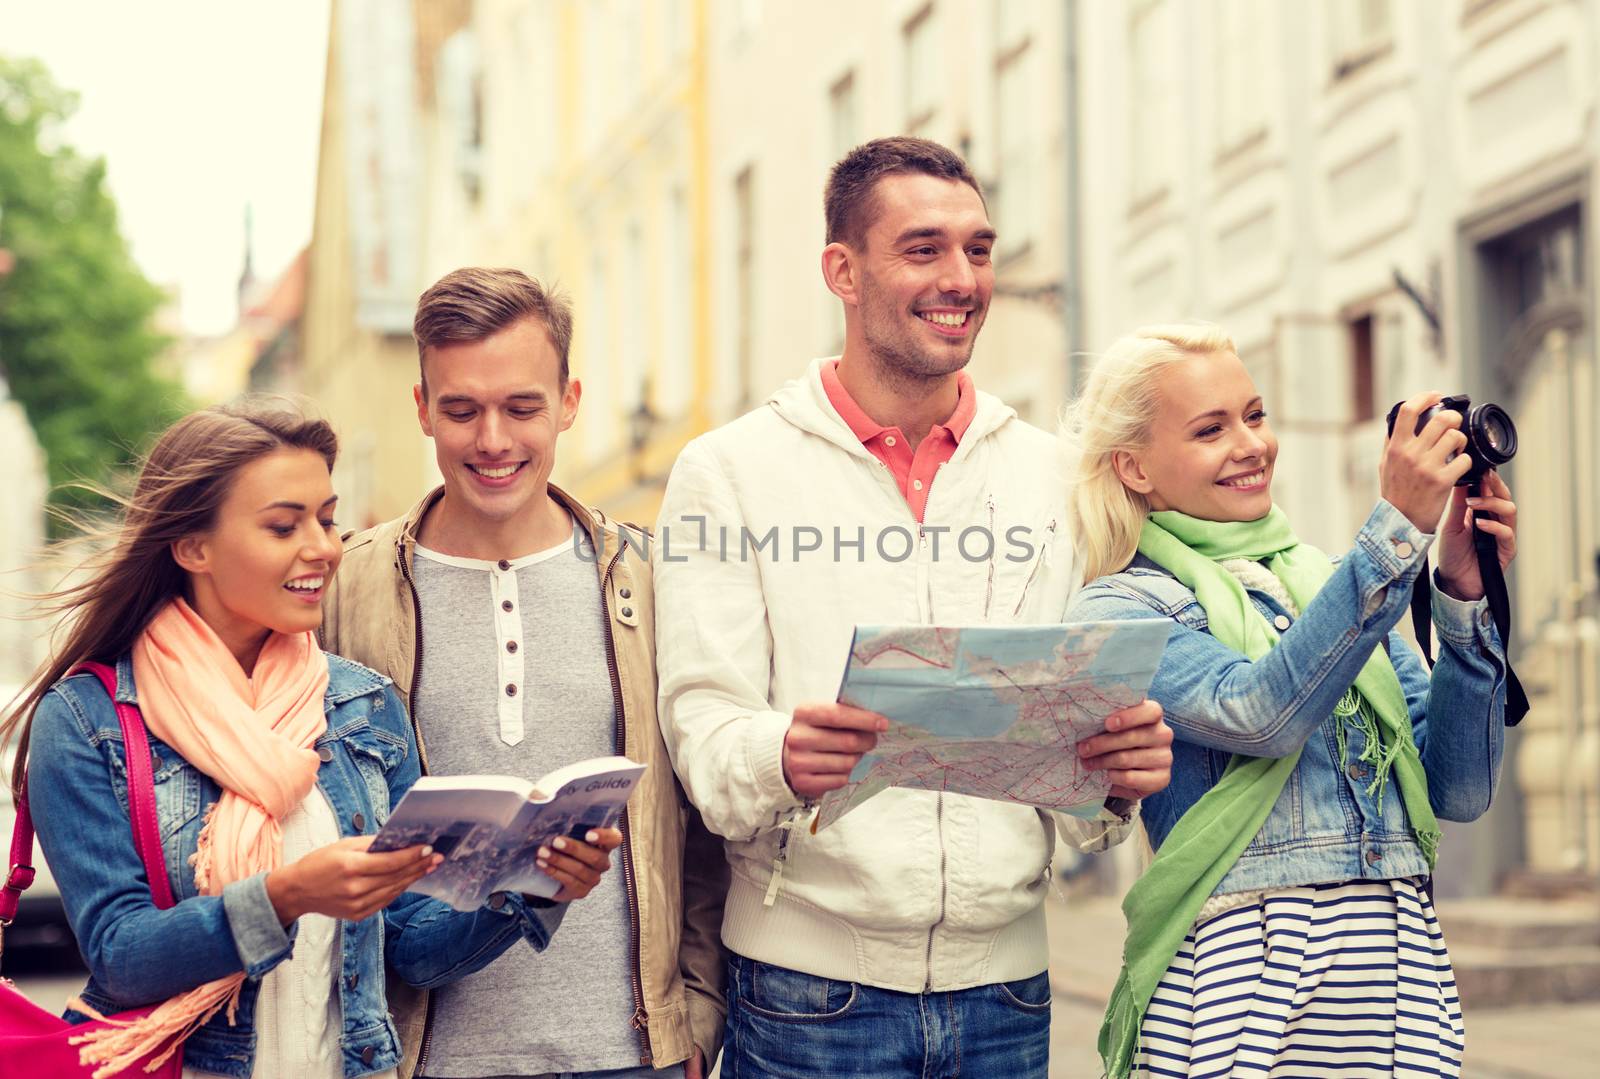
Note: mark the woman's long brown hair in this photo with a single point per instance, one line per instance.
(182, 484)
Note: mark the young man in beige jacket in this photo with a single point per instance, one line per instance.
(539, 627)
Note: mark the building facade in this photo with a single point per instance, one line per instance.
(562, 138)
(985, 78)
(1377, 198)
(364, 268)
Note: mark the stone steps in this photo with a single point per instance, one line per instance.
(1511, 952)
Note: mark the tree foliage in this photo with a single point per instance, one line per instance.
(77, 344)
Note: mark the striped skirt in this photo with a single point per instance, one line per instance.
(1330, 980)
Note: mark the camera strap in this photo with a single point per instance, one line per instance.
(1494, 590)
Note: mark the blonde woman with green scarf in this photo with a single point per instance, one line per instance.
(1286, 926)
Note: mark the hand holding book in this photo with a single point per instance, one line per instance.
(578, 865)
(506, 834)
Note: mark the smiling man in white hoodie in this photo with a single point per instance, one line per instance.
(908, 939)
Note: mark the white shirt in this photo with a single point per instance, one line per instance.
(298, 1017)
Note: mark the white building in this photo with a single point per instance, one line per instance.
(1380, 197)
(1376, 196)
(22, 535)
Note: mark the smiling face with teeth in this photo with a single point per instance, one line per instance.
(1210, 451)
(494, 409)
(266, 561)
(917, 290)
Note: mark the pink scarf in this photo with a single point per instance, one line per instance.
(253, 735)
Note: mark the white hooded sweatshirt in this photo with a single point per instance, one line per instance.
(779, 533)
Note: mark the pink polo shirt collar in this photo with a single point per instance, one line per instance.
(913, 468)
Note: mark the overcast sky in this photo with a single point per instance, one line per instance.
(199, 108)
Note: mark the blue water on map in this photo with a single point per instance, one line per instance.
(984, 672)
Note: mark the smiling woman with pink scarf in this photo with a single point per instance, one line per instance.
(273, 765)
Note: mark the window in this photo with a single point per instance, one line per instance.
(844, 133)
(675, 377)
(539, 86)
(844, 123)
(1013, 196)
(744, 283)
(461, 103)
(1240, 64)
(1013, 22)
(1152, 100)
(745, 20)
(598, 74)
(1363, 381)
(924, 76)
(1360, 30)
(626, 36)
(594, 365)
(633, 364)
(1540, 265)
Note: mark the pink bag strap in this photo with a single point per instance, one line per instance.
(142, 817)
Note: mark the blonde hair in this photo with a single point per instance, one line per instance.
(1113, 413)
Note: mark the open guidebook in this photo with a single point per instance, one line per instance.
(490, 828)
(992, 711)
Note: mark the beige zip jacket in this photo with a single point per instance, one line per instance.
(674, 870)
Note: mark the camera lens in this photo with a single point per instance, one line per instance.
(1493, 435)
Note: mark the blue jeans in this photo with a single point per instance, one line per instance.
(786, 1025)
(674, 1071)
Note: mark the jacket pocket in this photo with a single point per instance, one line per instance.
(177, 790)
(374, 755)
(1286, 823)
(1021, 559)
(1031, 996)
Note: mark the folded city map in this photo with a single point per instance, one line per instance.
(993, 711)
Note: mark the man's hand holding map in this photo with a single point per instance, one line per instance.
(993, 711)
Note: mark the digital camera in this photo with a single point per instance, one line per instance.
(1491, 436)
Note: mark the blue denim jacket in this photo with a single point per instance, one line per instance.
(1325, 827)
(138, 955)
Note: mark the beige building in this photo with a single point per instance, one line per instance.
(364, 269)
(571, 142)
(563, 138)
(1375, 196)
(1381, 197)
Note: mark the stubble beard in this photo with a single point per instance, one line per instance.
(908, 364)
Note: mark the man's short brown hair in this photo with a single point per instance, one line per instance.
(848, 200)
(476, 302)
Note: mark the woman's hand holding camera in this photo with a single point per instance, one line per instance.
(1419, 468)
(1458, 559)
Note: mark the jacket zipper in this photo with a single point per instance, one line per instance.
(944, 884)
(988, 592)
(422, 760)
(1044, 548)
(944, 894)
(641, 1018)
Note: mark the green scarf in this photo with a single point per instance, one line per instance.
(1162, 905)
